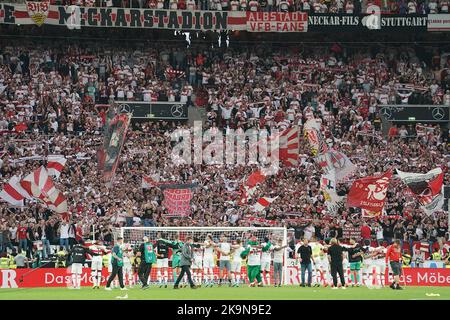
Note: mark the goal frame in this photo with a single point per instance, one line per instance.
(205, 229)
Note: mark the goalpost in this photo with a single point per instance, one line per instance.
(134, 235)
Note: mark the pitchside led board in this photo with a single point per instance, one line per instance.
(416, 113)
(154, 110)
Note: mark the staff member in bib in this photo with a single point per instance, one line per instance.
(148, 257)
(394, 257)
(117, 265)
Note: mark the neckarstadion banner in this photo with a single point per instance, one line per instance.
(75, 17)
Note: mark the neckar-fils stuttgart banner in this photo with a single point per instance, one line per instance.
(40, 13)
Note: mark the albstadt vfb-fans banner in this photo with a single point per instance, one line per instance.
(61, 277)
(75, 17)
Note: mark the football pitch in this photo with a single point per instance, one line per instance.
(226, 293)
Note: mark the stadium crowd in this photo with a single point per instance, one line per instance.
(51, 102)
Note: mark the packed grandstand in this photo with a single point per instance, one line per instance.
(55, 99)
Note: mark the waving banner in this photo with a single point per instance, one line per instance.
(369, 193)
(426, 188)
(328, 187)
(312, 131)
(178, 201)
(115, 133)
(337, 162)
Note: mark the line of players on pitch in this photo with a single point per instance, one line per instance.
(258, 256)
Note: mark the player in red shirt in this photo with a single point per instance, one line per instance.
(394, 257)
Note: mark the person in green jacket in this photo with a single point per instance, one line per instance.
(117, 265)
(148, 257)
(176, 246)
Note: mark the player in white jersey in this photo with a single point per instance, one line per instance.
(320, 264)
(374, 265)
(224, 248)
(266, 259)
(197, 264)
(236, 263)
(208, 260)
(278, 257)
(96, 263)
(128, 273)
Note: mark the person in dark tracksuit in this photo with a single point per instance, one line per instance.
(117, 265)
(148, 257)
(335, 257)
(185, 263)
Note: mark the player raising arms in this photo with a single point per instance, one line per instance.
(224, 248)
(266, 259)
(96, 263)
(78, 254)
(278, 256)
(208, 260)
(320, 263)
(253, 251)
(197, 265)
(128, 257)
(176, 246)
(162, 260)
(236, 263)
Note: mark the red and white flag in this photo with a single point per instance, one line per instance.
(289, 146)
(40, 186)
(426, 188)
(287, 149)
(249, 186)
(13, 193)
(263, 203)
(55, 165)
(369, 192)
(150, 181)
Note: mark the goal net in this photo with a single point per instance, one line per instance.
(133, 236)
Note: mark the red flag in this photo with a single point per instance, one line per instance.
(370, 192)
(255, 178)
(20, 127)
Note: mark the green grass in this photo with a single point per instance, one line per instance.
(225, 293)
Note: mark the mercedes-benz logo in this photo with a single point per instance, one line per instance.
(438, 113)
(124, 108)
(386, 112)
(177, 110)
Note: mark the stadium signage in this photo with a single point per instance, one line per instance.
(75, 17)
(351, 22)
(154, 110)
(277, 21)
(438, 22)
(417, 113)
(161, 19)
(122, 17)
